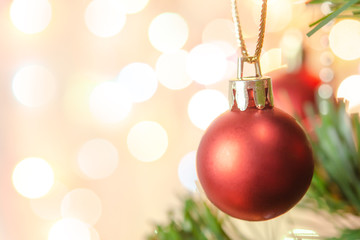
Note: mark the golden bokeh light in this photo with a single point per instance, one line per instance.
(187, 171)
(168, 32)
(33, 177)
(109, 102)
(30, 16)
(205, 106)
(105, 18)
(349, 90)
(207, 64)
(271, 60)
(48, 206)
(134, 6)
(97, 158)
(34, 86)
(69, 229)
(82, 204)
(343, 36)
(171, 70)
(140, 80)
(147, 141)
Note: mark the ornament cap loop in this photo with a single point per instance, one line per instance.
(250, 92)
(248, 59)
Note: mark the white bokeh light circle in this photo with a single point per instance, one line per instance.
(349, 90)
(187, 171)
(69, 229)
(33, 177)
(147, 141)
(205, 106)
(134, 6)
(171, 70)
(105, 18)
(48, 206)
(325, 91)
(109, 102)
(140, 80)
(34, 86)
(207, 64)
(82, 204)
(343, 36)
(30, 16)
(97, 158)
(168, 32)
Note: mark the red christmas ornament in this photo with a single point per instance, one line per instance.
(293, 90)
(254, 162)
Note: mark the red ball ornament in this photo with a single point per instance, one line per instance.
(254, 162)
(293, 90)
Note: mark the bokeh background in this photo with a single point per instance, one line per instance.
(104, 102)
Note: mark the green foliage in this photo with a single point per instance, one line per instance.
(339, 7)
(198, 222)
(348, 234)
(335, 141)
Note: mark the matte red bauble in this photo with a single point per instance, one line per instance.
(293, 90)
(254, 162)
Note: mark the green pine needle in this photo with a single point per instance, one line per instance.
(325, 20)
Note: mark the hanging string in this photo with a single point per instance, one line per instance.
(239, 34)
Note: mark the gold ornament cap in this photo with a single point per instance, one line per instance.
(250, 92)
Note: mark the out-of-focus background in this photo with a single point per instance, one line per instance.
(104, 102)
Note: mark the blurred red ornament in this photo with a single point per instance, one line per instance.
(295, 89)
(254, 164)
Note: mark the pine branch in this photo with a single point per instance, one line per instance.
(339, 6)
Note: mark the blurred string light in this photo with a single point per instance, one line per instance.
(207, 64)
(109, 102)
(48, 206)
(105, 18)
(139, 79)
(69, 229)
(325, 91)
(349, 90)
(271, 60)
(133, 6)
(98, 158)
(34, 86)
(326, 74)
(168, 32)
(187, 171)
(327, 58)
(33, 177)
(30, 16)
(147, 141)
(343, 37)
(171, 70)
(279, 14)
(205, 106)
(82, 204)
